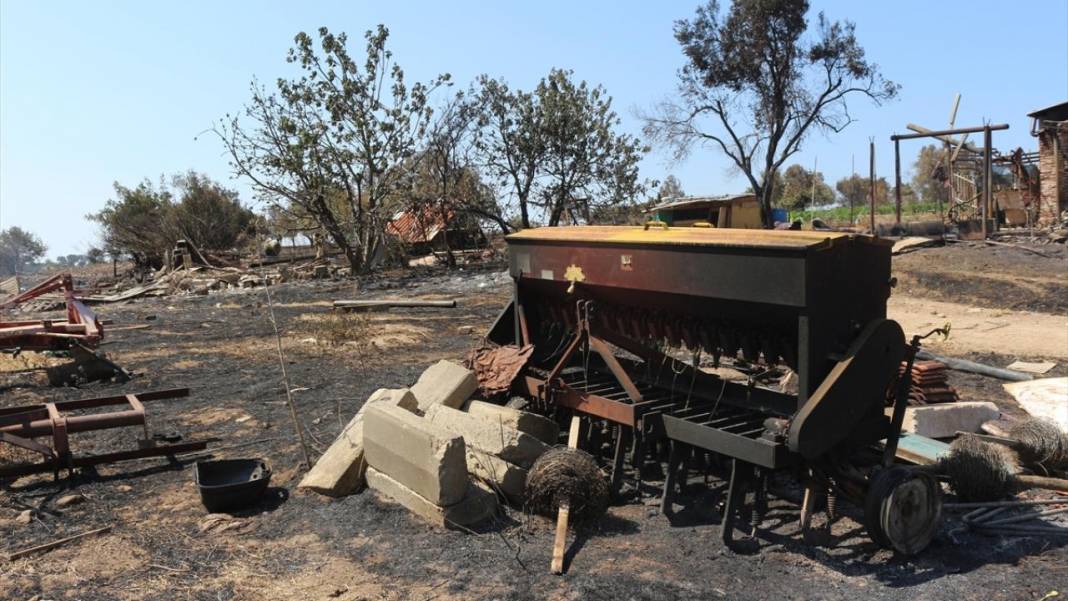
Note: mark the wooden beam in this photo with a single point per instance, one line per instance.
(56, 543)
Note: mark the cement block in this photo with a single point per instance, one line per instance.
(540, 427)
(478, 503)
(944, 420)
(444, 383)
(488, 436)
(339, 471)
(499, 475)
(417, 453)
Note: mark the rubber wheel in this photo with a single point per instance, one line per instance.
(903, 510)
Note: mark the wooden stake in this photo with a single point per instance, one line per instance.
(1030, 250)
(282, 363)
(557, 566)
(1057, 484)
(55, 543)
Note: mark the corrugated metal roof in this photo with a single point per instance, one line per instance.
(1056, 112)
(417, 227)
(692, 201)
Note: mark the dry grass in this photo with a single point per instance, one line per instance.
(336, 329)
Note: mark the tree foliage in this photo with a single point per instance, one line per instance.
(754, 86)
(856, 189)
(145, 222)
(327, 143)
(670, 188)
(509, 140)
(207, 214)
(443, 185)
(134, 222)
(929, 176)
(19, 249)
(802, 188)
(556, 149)
(587, 165)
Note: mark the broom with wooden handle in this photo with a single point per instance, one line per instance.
(557, 565)
(983, 471)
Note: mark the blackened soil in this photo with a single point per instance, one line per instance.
(299, 545)
(996, 277)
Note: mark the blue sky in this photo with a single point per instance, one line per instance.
(96, 92)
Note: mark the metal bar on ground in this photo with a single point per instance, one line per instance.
(976, 368)
(387, 303)
(155, 395)
(27, 469)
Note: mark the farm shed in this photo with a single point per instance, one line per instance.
(422, 232)
(727, 211)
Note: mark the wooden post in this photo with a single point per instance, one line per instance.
(853, 178)
(557, 566)
(897, 181)
(988, 179)
(871, 176)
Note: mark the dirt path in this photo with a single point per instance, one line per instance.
(981, 330)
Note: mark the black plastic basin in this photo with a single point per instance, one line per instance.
(231, 484)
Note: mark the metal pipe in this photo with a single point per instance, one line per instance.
(79, 423)
(1016, 503)
(156, 395)
(975, 368)
(949, 132)
(1026, 517)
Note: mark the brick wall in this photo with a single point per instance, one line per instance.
(1053, 172)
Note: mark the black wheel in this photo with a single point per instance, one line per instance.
(903, 510)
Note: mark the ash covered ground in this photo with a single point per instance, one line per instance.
(299, 545)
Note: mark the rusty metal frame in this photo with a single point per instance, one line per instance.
(20, 425)
(81, 326)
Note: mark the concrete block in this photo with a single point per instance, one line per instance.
(499, 475)
(478, 503)
(488, 436)
(944, 420)
(540, 427)
(421, 455)
(444, 383)
(339, 471)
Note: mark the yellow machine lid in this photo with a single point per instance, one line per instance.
(685, 236)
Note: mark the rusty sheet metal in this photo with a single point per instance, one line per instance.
(687, 236)
(415, 227)
(496, 367)
(81, 327)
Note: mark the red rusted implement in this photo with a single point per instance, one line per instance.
(19, 426)
(81, 326)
